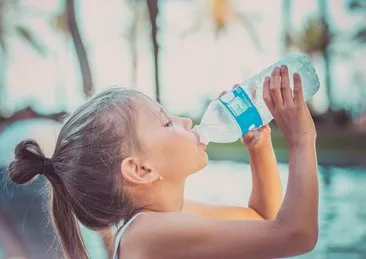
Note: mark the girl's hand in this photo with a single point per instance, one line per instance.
(257, 138)
(289, 109)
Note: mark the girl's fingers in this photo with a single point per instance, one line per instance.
(285, 86)
(222, 93)
(267, 95)
(253, 93)
(298, 94)
(275, 87)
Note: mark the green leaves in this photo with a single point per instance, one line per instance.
(360, 35)
(10, 15)
(358, 6)
(223, 13)
(313, 38)
(31, 39)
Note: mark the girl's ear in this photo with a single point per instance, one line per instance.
(133, 171)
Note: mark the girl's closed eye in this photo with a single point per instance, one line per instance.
(169, 124)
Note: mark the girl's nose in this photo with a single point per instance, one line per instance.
(185, 122)
(188, 123)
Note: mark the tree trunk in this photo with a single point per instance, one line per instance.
(29, 113)
(286, 25)
(153, 14)
(327, 70)
(133, 41)
(3, 61)
(79, 48)
(134, 63)
(2, 58)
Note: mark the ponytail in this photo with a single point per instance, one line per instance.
(66, 224)
(29, 162)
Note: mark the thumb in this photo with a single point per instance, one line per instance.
(248, 137)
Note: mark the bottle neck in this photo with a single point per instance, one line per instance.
(198, 130)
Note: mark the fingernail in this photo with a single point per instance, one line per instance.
(274, 71)
(278, 72)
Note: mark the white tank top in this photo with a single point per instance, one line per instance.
(120, 233)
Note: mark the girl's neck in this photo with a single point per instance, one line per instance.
(164, 197)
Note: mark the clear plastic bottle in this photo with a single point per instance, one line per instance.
(243, 108)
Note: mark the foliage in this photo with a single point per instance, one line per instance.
(358, 7)
(313, 38)
(12, 26)
(222, 14)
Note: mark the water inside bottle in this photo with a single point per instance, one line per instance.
(218, 125)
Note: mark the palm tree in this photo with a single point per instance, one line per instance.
(315, 39)
(139, 18)
(286, 23)
(325, 51)
(223, 13)
(79, 48)
(11, 27)
(358, 6)
(312, 38)
(153, 9)
(132, 37)
(65, 22)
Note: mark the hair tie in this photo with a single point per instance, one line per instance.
(48, 166)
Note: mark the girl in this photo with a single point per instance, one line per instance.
(121, 157)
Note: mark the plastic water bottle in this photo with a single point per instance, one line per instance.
(243, 108)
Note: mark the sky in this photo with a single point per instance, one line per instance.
(193, 69)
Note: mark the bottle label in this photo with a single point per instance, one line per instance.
(242, 108)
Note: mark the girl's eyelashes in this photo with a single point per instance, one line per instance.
(168, 124)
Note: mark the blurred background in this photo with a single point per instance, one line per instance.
(54, 54)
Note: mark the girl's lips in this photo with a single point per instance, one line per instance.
(201, 145)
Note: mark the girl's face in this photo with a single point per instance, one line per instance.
(171, 150)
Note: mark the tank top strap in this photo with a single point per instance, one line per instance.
(120, 232)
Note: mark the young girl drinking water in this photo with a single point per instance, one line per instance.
(122, 158)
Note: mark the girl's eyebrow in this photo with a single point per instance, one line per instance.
(156, 114)
(162, 112)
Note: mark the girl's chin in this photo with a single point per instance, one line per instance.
(204, 161)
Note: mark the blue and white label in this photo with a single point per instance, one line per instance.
(242, 108)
